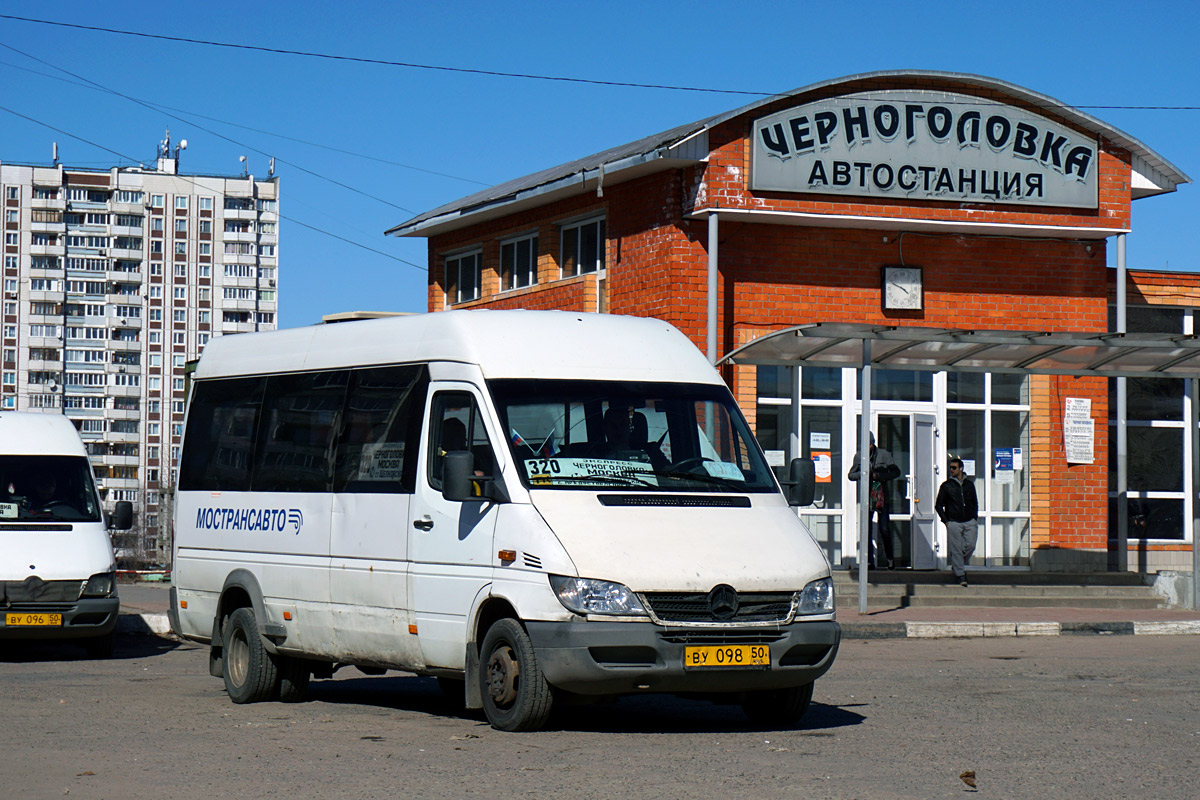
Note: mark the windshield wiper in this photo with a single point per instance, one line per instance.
(701, 477)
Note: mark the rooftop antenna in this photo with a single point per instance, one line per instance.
(56, 153)
(181, 146)
(245, 167)
(271, 168)
(164, 147)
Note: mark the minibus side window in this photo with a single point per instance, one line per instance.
(381, 426)
(454, 424)
(301, 414)
(222, 421)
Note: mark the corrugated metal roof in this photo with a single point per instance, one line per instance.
(1111, 355)
(660, 146)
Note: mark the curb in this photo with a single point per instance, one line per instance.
(984, 630)
(143, 624)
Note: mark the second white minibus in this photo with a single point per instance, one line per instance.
(533, 507)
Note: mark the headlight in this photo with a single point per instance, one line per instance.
(587, 596)
(817, 597)
(100, 585)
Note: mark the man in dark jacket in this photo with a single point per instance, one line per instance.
(883, 470)
(958, 506)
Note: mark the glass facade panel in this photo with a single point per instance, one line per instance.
(899, 384)
(1155, 460)
(820, 383)
(964, 439)
(775, 382)
(822, 422)
(1010, 488)
(1150, 518)
(1008, 544)
(1010, 389)
(964, 387)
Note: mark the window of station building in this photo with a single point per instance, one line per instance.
(1158, 468)
(582, 247)
(463, 277)
(899, 384)
(518, 262)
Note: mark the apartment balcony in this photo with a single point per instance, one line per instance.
(124, 391)
(55, 204)
(125, 253)
(240, 258)
(125, 322)
(240, 213)
(123, 413)
(124, 276)
(240, 236)
(45, 249)
(138, 209)
(126, 230)
(120, 461)
(59, 227)
(122, 483)
(237, 327)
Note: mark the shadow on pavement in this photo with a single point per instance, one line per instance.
(42, 650)
(641, 714)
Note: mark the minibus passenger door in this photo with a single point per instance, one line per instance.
(451, 543)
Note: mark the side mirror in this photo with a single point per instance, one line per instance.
(801, 482)
(122, 516)
(460, 484)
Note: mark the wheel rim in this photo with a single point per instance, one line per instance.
(237, 657)
(503, 673)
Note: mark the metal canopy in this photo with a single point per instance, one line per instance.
(1110, 355)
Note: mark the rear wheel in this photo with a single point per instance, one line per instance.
(294, 675)
(516, 696)
(250, 674)
(777, 707)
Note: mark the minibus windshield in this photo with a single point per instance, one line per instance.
(47, 489)
(635, 435)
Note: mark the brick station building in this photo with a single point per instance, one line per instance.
(894, 198)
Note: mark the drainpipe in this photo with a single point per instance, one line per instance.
(712, 286)
(1122, 564)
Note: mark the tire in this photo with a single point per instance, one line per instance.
(249, 672)
(777, 707)
(100, 647)
(294, 675)
(515, 694)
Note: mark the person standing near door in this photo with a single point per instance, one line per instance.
(958, 506)
(883, 469)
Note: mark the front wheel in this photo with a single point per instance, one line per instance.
(250, 674)
(777, 707)
(515, 694)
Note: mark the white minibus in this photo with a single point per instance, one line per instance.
(533, 507)
(57, 572)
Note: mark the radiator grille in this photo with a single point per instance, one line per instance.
(694, 607)
(35, 590)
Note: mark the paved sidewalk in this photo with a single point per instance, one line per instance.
(947, 622)
(144, 611)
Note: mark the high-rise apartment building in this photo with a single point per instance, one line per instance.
(113, 280)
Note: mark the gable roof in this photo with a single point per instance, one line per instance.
(688, 144)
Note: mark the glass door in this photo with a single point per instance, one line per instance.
(908, 437)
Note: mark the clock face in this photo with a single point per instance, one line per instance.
(902, 288)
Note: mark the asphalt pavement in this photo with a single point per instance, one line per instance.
(144, 611)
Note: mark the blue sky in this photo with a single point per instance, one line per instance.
(413, 139)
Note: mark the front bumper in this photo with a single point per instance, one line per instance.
(605, 658)
(86, 618)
